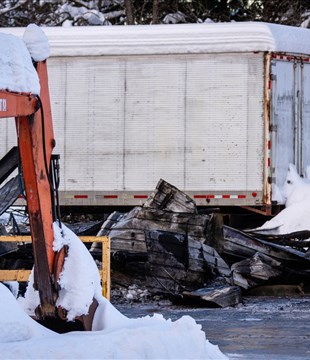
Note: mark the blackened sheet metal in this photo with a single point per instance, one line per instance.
(9, 193)
(9, 163)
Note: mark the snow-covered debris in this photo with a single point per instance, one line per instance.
(17, 72)
(296, 215)
(36, 42)
(79, 280)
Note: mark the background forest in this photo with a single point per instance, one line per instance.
(121, 12)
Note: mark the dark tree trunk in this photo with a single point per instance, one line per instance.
(155, 12)
(129, 12)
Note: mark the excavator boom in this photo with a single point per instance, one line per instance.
(34, 128)
(36, 141)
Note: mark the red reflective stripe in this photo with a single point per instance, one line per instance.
(140, 196)
(269, 145)
(225, 196)
(81, 196)
(269, 162)
(110, 196)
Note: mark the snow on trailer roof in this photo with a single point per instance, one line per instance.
(177, 39)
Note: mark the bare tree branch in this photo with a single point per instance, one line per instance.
(7, 10)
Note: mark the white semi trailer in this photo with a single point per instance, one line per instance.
(218, 110)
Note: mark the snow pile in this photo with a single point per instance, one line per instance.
(79, 281)
(117, 337)
(15, 324)
(80, 278)
(36, 42)
(114, 336)
(17, 72)
(296, 215)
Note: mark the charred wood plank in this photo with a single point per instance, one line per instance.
(298, 239)
(242, 245)
(255, 270)
(168, 197)
(215, 297)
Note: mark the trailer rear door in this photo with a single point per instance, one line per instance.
(290, 117)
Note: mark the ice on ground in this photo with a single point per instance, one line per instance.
(296, 215)
(17, 72)
(113, 336)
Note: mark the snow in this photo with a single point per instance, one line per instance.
(80, 279)
(93, 17)
(17, 72)
(175, 39)
(114, 336)
(36, 42)
(296, 215)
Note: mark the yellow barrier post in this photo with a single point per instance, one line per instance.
(23, 275)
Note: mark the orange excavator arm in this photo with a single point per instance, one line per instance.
(36, 142)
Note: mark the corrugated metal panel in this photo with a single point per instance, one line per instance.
(282, 118)
(305, 118)
(224, 123)
(194, 120)
(154, 122)
(88, 110)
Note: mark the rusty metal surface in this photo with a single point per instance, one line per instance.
(14, 104)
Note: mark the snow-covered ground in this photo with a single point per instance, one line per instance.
(114, 336)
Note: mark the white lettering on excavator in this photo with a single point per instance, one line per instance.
(2, 104)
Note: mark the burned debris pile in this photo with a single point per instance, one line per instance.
(167, 247)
